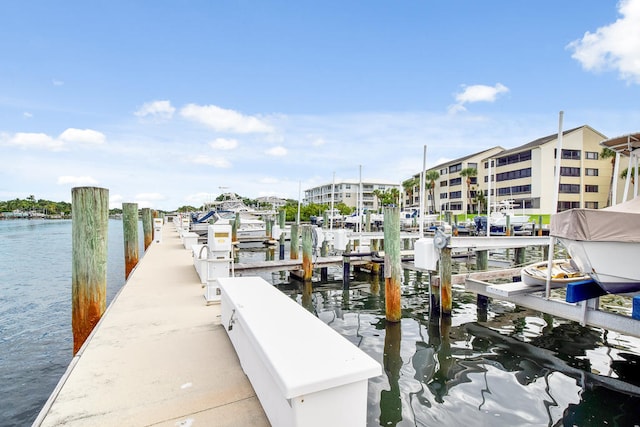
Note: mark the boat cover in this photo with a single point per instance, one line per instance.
(619, 223)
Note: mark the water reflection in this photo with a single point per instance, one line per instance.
(390, 400)
(510, 366)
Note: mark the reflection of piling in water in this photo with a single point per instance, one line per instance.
(390, 401)
(281, 221)
(307, 301)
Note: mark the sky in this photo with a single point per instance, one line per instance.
(171, 103)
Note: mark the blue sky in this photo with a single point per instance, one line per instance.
(168, 103)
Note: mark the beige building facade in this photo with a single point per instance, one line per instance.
(526, 176)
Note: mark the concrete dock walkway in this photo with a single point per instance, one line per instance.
(159, 356)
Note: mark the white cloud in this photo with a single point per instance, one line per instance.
(476, 93)
(278, 151)
(223, 120)
(57, 82)
(35, 140)
(269, 180)
(27, 115)
(214, 161)
(156, 109)
(224, 144)
(76, 181)
(82, 136)
(613, 47)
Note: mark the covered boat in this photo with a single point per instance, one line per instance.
(603, 243)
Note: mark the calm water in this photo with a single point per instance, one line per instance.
(518, 368)
(36, 343)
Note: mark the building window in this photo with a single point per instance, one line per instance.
(455, 195)
(347, 186)
(591, 205)
(444, 195)
(455, 168)
(455, 206)
(443, 183)
(443, 171)
(566, 171)
(455, 181)
(514, 158)
(591, 172)
(591, 155)
(515, 174)
(590, 188)
(569, 188)
(472, 165)
(564, 206)
(569, 154)
(516, 189)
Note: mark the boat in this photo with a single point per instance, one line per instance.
(603, 243)
(520, 224)
(563, 272)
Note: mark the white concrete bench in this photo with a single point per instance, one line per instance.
(303, 372)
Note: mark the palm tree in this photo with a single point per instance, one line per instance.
(409, 186)
(469, 173)
(431, 177)
(608, 153)
(625, 172)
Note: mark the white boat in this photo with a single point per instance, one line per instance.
(503, 209)
(563, 272)
(603, 243)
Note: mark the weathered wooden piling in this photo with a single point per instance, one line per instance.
(392, 264)
(89, 231)
(147, 227)
(482, 301)
(130, 230)
(346, 269)
(295, 241)
(508, 226)
(281, 222)
(446, 297)
(324, 271)
(307, 253)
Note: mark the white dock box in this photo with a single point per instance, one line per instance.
(340, 240)
(425, 254)
(157, 230)
(304, 373)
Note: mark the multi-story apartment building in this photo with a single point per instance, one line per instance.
(525, 174)
(452, 191)
(347, 191)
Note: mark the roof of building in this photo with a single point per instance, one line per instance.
(544, 140)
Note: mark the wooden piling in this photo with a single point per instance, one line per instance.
(392, 264)
(295, 241)
(281, 222)
(324, 271)
(307, 253)
(89, 231)
(446, 298)
(482, 301)
(540, 225)
(130, 232)
(519, 256)
(507, 230)
(147, 227)
(346, 270)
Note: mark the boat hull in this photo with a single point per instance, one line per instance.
(613, 265)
